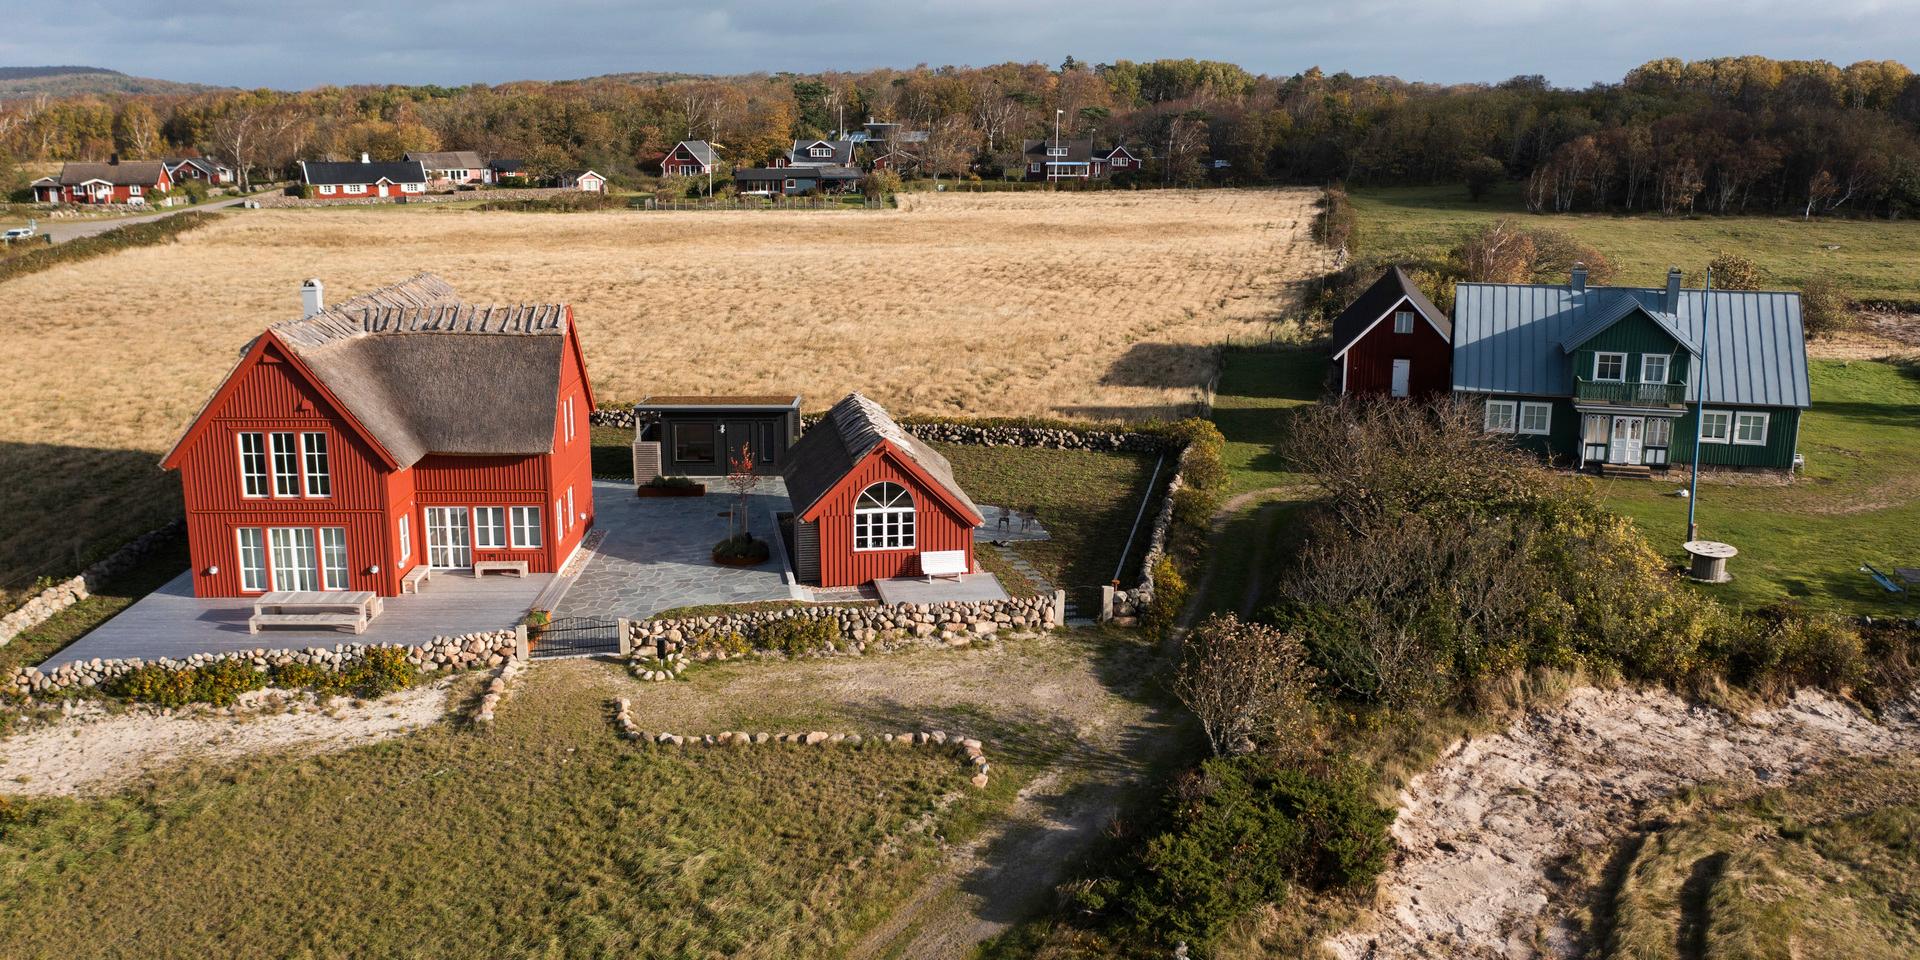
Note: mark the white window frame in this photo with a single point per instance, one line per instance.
(1597, 378)
(1741, 419)
(1666, 367)
(1725, 420)
(571, 518)
(286, 482)
(1511, 417)
(526, 532)
(327, 189)
(1665, 426)
(1056, 151)
(820, 151)
(255, 484)
(406, 538)
(333, 559)
(1533, 406)
(1403, 321)
(888, 525)
(316, 466)
(133, 190)
(1035, 168)
(489, 528)
(567, 416)
(295, 546)
(253, 575)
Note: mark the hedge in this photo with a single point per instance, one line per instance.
(113, 241)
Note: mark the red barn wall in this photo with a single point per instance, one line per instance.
(936, 527)
(1369, 363)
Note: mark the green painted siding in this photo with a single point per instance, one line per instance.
(1636, 336)
(1563, 439)
(1783, 437)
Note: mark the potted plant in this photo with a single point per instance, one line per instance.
(664, 486)
(741, 548)
(536, 622)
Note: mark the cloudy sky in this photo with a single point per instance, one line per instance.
(266, 43)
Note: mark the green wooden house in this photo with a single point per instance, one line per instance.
(1608, 378)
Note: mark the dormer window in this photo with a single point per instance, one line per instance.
(1403, 321)
(1653, 368)
(1610, 366)
(820, 151)
(1056, 151)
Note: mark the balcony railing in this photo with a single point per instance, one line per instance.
(1631, 394)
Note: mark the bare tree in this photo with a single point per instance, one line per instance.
(1245, 682)
(741, 480)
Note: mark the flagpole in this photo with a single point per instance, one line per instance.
(1700, 408)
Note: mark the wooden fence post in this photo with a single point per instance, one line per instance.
(626, 639)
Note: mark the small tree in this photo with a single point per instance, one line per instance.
(741, 480)
(1482, 174)
(880, 184)
(1824, 308)
(1732, 271)
(1245, 681)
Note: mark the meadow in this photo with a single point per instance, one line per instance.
(1099, 305)
(1870, 259)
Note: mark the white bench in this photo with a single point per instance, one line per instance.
(412, 582)
(943, 563)
(516, 567)
(356, 622)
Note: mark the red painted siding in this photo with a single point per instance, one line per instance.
(1369, 363)
(936, 527)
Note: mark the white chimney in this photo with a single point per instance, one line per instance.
(364, 158)
(313, 297)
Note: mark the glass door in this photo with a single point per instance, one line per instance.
(1627, 436)
(449, 539)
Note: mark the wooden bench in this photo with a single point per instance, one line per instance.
(353, 621)
(943, 563)
(516, 567)
(412, 582)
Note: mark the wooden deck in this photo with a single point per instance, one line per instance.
(170, 622)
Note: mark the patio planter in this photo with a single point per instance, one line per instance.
(735, 553)
(693, 490)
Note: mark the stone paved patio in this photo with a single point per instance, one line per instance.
(657, 554)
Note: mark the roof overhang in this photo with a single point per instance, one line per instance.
(904, 460)
(1397, 304)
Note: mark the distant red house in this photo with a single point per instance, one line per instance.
(200, 168)
(688, 158)
(116, 181)
(399, 428)
(869, 499)
(1392, 340)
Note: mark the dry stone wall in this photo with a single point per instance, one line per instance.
(861, 628)
(66, 593)
(466, 651)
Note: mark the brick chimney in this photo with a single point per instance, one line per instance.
(313, 298)
(1673, 289)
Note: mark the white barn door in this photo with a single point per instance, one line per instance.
(1402, 373)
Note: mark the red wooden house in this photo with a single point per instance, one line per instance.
(351, 181)
(869, 499)
(399, 428)
(688, 158)
(1392, 340)
(116, 181)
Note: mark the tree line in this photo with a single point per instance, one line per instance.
(1725, 135)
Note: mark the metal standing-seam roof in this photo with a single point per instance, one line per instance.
(1515, 338)
(700, 150)
(843, 438)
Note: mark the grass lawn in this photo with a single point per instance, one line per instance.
(1824, 868)
(1859, 501)
(1872, 259)
(545, 837)
(48, 637)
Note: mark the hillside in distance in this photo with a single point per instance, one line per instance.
(19, 83)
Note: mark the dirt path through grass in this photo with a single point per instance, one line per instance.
(1483, 834)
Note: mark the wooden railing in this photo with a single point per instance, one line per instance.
(1631, 394)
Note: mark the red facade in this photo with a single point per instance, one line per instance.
(366, 496)
(101, 192)
(1367, 364)
(940, 523)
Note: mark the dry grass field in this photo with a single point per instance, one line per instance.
(1086, 305)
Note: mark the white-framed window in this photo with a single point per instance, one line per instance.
(333, 558)
(1750, 429)
(313, 446)
(294, 565)
(1056, 151)
(566, 417)
(133, 191)
(883, 518)
(1535, 418)
(1501, 415)
(253, 464)
(326, 189)
(406, 538)
(571, 518)
(1659, 432)
(1610, 366)
(457, 174)
(788, 184)
(413, 188)
(1716, 426)
(286, 466)
(820, 152)
(526, 528)
(1035, 168)
(560, 514)
(252, 557)
(1403, 321)
(1653, 368)
(490, 527)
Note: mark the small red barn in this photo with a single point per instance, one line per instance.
(869, 499)
(399, 428)
(1393, 341)
(688, 158)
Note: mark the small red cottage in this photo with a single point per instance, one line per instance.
(133, 181)
(399, 429)
(349, 181)
(869, 500)
(688, 158)
(1392, 340)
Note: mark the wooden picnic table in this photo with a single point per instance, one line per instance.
(315, 608)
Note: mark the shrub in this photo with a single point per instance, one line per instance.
(794, 636)
(222, 682)
(303, 676)
(1337, 225)
(378, 672)
(1731, 271)
(1782, 646)
(1482, 174)
(670, 483)
(1246, 682)
(1824, 308)
(729, 642)
(1238, 831)
(1170, 592)
(303, 191)
(880, 184)
(741, 549)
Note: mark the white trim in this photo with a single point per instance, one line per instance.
(1362, 335)
(1666, 367)
(307, 473)
(345, 568)
(500, 530)
(406, 538)
(1765, 424)
(1512, 408)
(249, 584)
(515, 524)
(1701, 426)
(266, 469)
(1520, 418)
(1597, 378)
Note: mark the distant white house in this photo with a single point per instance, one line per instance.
(585, 181)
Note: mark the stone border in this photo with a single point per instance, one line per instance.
(861, 628)
(971, 749)
(452, 653)
(41, 607)
(498, 688)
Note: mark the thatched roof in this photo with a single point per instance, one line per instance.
(843, 438)
(425, 373)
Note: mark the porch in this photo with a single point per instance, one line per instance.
(1626, 442)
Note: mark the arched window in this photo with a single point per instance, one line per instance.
(883, 518)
